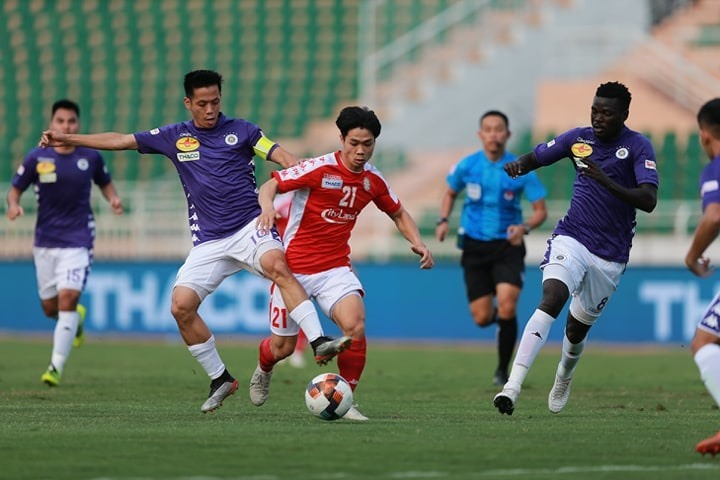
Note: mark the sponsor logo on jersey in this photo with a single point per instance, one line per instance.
(154, 131)
(332, 215)
(509, 195)
(650, 164)
(366, 184)
(45, 166)
(709, 186)
(332, 181)
(231, 139)
(622, 153)
(83, 164)
(581, 150)
(550, 144)
(188, 157)
(187, 144)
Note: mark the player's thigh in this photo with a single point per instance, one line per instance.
(280, 322)
(61, 269)
(596, 289)
(566, 260)
(331, 287)
(205, 267)
(249, 245)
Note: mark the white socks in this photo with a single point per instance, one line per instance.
(306, 316)
(208, 357)
(65, 329)
(533, 338)
(708, 362)
(570, 356)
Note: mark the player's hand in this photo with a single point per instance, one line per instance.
(51, 138)
(514, 169)
(266, 219)
(426, 258)
(117, 206)
(700, 267)
(593, 171)
(14, 211)
(441, 231)
(515, 234)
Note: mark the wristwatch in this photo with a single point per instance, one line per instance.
(441, 220)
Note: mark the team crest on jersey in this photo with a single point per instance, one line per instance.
(366, 184)
(509, 195)
(332, 182)
(83, 164)
(231, 139)
(187, 144)
(581, 150)
(622, 153)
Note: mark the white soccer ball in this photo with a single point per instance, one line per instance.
(328, 396)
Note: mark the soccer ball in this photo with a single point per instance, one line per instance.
(328, 396)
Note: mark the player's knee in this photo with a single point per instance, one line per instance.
(576, 331)
(282, 347)
(555, 294)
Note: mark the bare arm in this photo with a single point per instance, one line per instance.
(643, 197)
(283, 158)
(110, 194)
(705, 233)
(266, 195)
(14, 209)
(524, 164)
(98, 141)
(446, 208)
(516, 232)
(407, 226)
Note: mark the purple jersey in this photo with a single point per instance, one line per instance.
(216, 169)
(603, 223)
(710, 183)
(62, 184)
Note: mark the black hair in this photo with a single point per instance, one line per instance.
(615, 90)
(358, 117)
(708, 117)
(66, 105)
(200, 79)
(495, 113)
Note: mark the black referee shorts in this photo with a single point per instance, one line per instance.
(487, 263)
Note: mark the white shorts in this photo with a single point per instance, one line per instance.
(326, 288)
(590, 279)
(61, 269)
(209, 263)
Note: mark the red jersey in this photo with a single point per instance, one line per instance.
(327, 200)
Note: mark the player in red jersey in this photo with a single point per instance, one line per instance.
(329, 193)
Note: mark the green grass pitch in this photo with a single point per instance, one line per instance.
(131, 411)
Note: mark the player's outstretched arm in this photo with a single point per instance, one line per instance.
(268, 214)
(407, 226)
(98, 141)
(283, 158)
(523, 165)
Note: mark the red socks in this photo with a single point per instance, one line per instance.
(266, 359)
(351, 362)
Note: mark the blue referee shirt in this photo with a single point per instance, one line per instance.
(492, 200)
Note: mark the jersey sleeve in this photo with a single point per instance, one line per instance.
(555, 149)
(645, 165)
(385, 199)
(710, 184)
(158, 140)
(298, 176)
(101, 175)
(26, 173)
(456, 176)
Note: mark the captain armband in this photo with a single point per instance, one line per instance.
(263, 147)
